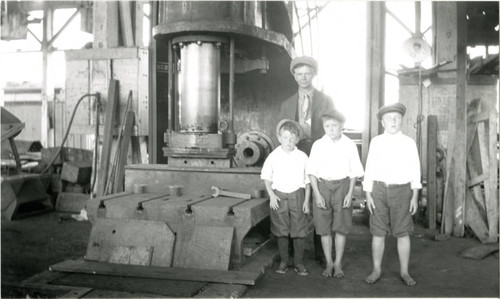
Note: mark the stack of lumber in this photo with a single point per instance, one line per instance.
(481, 202)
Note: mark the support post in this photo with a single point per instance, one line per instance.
(47, 83)
(376, 72)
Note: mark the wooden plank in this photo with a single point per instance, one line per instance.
(476, 180)
(480, 117)
(123, 148)
(432, 127)
(476, 190)
(138, 20)
(472, 110)
(126, 23)
(109, 120)
(492, 200)
(134, 285)
(98, 268)
(474, 220)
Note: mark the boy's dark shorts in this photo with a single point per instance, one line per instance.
(392, 210)
(334, 218)
(289, 219)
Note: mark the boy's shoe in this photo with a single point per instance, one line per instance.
(301, 270)
(282, 268)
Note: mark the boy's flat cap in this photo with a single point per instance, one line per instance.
(283, 121)
(304, 60)
(398, 107)
(333, 114)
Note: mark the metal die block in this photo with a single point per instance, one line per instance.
(194, 140)
(199, 162)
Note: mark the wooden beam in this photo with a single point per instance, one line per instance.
(126, 23)
(109, 120)
(375, 76)
(432, 126)
(122, 158)
(460, 153)
(474, 220)
(103, 54)
(106, 24)
(138, 22)
(99, 268)
(492, 200)
(47, 83)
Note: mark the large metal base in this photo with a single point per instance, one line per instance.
(209, 232)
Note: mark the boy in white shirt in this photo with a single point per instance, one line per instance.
(288, 187)
(392, 180)
(333, 167)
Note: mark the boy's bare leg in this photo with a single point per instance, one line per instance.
(326, 242)
(404, 246)
(340, 240)
(378, 246)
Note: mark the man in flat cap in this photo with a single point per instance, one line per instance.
(391, 183)
(305, 107)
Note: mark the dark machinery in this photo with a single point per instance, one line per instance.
(226, 75)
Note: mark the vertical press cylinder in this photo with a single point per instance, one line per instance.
(199, 86)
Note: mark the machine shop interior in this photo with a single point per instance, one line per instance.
(134, 135)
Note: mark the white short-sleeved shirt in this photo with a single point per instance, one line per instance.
(286, 171)
(331, 160)
(392, 159)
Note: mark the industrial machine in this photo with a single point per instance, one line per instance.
(222, 73)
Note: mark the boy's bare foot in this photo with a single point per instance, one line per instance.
(338, 272)
(328, 271)
(408, 280)
(373, 278)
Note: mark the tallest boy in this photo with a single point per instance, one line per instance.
(306, 107)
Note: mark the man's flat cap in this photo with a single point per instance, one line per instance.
(304, 60)
(398, 107)
(290, 122)
(332, 113)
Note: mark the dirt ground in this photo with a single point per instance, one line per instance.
(31, 245)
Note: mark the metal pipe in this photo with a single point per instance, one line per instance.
(170, 117)
(231, 85)
(67, 130)
(418, 16)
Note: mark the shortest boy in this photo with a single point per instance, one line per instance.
(333, 168)
(392, 180)
(289, 191)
